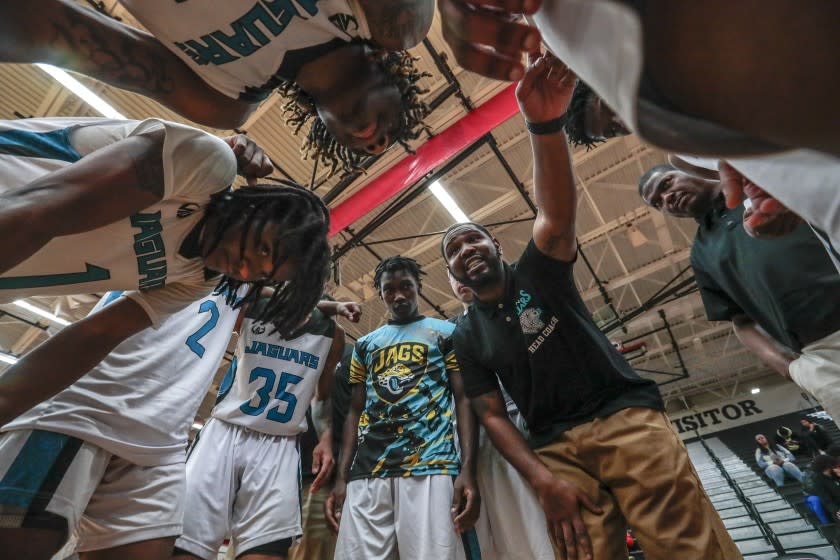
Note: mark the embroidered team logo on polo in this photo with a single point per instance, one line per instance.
(531, 321)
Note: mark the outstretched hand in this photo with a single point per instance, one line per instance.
(546, 89)
(350, 310)
(485, 39)
(251, 160)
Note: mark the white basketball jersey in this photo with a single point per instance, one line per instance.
(138, 253)
(140, 401)
(271, 382)
(243, 49)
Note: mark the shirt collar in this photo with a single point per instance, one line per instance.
(717, 210)
(406, 321)
(494, 307)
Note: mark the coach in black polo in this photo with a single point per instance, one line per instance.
(602, 453)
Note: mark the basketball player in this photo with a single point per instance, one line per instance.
(340, 63)
(93, 204)
(398, 450)
(103, 460)
(243, 471)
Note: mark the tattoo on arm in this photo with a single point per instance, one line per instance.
(148, 168)
(95, 45)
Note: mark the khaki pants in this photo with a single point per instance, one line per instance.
(635, 467)
(318, 542)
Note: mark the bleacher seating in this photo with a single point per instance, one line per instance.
(782, 510)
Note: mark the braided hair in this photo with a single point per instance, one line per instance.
(575, 117)
(321, 146)
(392, 264)
(303, 221)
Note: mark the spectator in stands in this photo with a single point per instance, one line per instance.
(814, 434)
(824, 484)
(785, 438)
(775, 461)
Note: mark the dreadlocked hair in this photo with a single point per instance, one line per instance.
(322, 147)
(576, 115)
(303, 222)
(392, 264)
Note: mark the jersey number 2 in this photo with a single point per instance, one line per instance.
(264, 394)
(192, 341)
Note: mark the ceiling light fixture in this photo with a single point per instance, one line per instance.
(8, 358)
(85, 93)
(635, 236)
(448, 202)
(755, 390)
(41, 313)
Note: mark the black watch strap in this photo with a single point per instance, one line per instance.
(546, 127)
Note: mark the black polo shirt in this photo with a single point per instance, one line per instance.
(552, 359)
(787, 285)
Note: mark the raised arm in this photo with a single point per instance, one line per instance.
(350, 310)
(63, 359)
(67, 34)
(544, 94)
(398, 24)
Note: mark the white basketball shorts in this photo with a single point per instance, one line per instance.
(241, 483)
(54, 481)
